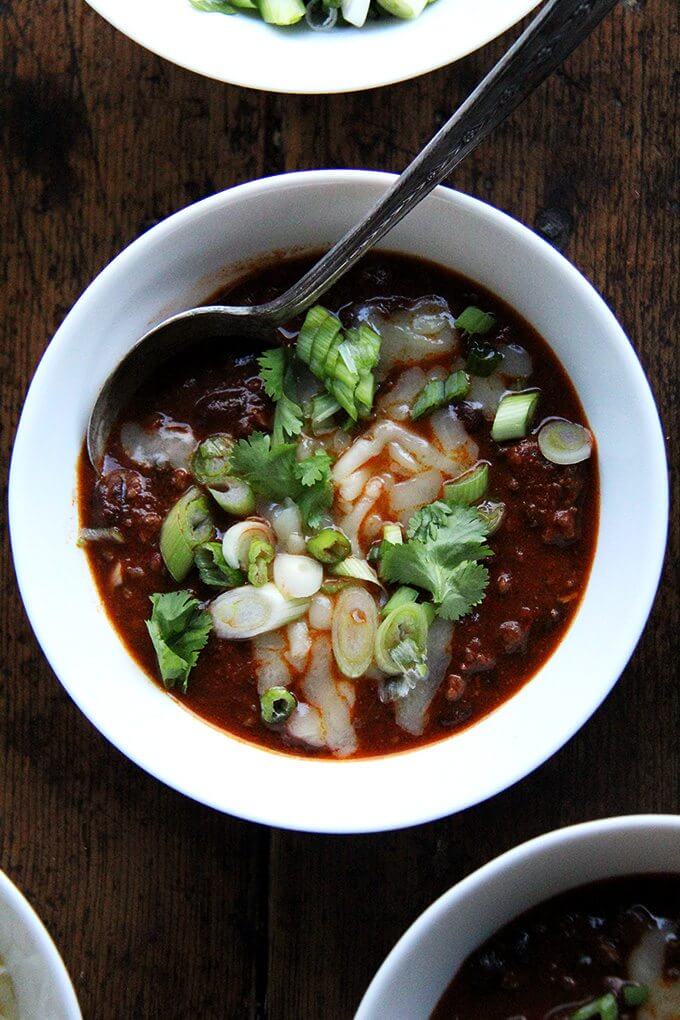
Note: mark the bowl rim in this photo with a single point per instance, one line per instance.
(341, 74)
(528, 851)
(271, 814)
(14, 901)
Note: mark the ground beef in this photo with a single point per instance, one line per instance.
(548, 494)
(123, 498)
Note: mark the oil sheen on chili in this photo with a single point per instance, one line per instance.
(375, 535)
(605, 951)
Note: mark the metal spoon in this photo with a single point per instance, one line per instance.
(550, 37)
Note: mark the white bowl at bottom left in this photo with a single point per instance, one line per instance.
(41, 983)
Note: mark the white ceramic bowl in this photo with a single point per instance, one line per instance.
(182, 261)
(424, 961)
(42, 986)
(243, 50)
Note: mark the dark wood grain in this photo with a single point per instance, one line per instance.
(163, 908)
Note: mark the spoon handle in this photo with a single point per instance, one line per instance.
(559, 27)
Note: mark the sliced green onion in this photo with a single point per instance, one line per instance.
(634, 994)
(276, 705)
(492, 513)
(402, 597)
(403, 631)
(429, 399)
(86, 535)
(392, 534)
(260, 555)
(469, 487)
(482, 359)
(564, 442)
(323, 408)
(514, 415)
(234, 496)
(355, 624)
(237, 540)
(456, 386)
(605, 1007)
(334, 585)
(213, 569)
(210, 462)
(357, 569)
(296, 576)
(364, 393)
(246, 612)
(440, 392)
(329, 546)
(407, 9)
(475, 321)
(319, 328)
(281, 12)
(187, 525)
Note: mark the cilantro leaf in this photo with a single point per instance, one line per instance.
(314, 502)
(467, 584)
(287, 420)
(279, 384)
(274, 473)
(269, 469)
(316, 468)
(179, 630)
(442, 553)
(272, 370)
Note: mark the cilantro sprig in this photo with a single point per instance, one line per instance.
(442, 554)
(179, 630)
(274, 472)
(279, 384)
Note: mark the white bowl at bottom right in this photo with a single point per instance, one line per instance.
(423, 963)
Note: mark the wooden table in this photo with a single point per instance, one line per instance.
(161, 907)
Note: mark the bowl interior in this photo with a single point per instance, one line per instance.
(244, 50)
(182, 261)
(41, 983)
(418, 970)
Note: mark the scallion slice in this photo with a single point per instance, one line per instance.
(355, 624)
(329, 546)
(492, 513)
(474, 321)
(401, 641)
(247, 611)
(440, 392)
(238, 538)
(357, 569)
(564, 442)
(234, 496)
(634, 994)
(187, 525)
(482, 359)
(605, 1008)
(260, 555)
(210, 462)
(276, 705)
(297, 576)
(402, 597)
(470, 487)
(87, 535)
(514, 415)
(281, 12)
(324, 406)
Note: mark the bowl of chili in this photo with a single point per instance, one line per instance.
(509, 700)
(579, 923)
